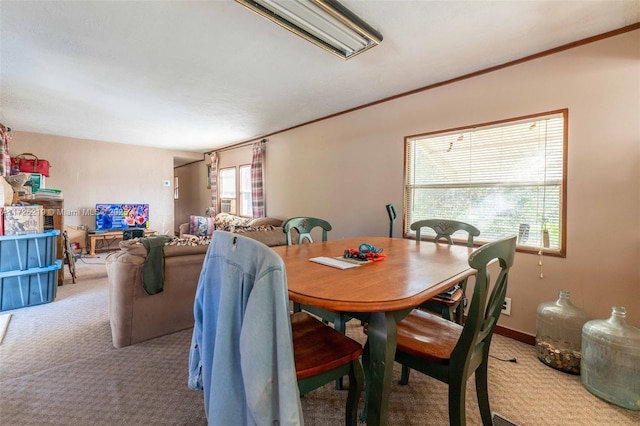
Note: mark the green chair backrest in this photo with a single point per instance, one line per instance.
(304, 225)
(444, 228)
(483, 316)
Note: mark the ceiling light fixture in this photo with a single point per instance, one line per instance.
(325, 23)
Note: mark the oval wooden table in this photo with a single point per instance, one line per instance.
(380, 293)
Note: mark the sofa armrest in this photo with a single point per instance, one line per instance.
(136, 316)
(124, 272)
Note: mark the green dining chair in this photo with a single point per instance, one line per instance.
(304, 226)
(451, 303)
(450, 352)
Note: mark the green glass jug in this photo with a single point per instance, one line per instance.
(611, 360)
(559, 333)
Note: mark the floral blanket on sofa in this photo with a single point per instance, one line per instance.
(204, 226)
(232, 223)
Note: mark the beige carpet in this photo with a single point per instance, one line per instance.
(58, 367)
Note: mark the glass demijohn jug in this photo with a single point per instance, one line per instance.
(559, 333)
(611, 360)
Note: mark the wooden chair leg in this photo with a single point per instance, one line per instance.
(356, 383)
(404, 375)
(462, 304)
(457, 396)
(447, 313)
(340, 325)
(460, 313)
(482, 392)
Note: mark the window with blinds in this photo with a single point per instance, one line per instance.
(505, 178)
(227, 188)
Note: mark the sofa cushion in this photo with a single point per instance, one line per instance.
(201, 226)
(265, 221)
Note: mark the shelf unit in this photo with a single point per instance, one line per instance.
(53, 219)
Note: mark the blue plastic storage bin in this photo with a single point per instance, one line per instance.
(22, 252)
(33, 286)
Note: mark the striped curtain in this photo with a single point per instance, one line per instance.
(5, 159)
(213, 182)
(257, 177)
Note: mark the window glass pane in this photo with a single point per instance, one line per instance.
(246, 208)
(228, 182)
(504, 179)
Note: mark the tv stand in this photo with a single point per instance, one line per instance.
(109, 237)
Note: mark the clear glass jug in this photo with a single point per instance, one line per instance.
(611, 360)
(559, 333)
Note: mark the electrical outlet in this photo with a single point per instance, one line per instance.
(506, 306)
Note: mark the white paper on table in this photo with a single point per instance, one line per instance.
(335, 263)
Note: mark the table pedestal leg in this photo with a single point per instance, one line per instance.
(381, 342)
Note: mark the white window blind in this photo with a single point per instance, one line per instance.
(505, 179)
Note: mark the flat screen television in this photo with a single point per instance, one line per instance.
(121, 216)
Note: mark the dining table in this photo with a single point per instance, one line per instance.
(380, 293)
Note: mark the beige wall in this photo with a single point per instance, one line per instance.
(193, 194)
(195, 198)
(347, 168)
(91, 172)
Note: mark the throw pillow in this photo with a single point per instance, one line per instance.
(201, 226)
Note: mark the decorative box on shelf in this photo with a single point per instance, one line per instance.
(37, 181)
(21, 220)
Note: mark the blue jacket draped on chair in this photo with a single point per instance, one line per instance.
(242, 353)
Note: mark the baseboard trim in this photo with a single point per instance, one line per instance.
(516, 335)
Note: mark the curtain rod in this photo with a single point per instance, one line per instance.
(238, 145)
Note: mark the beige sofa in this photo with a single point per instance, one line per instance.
(136, 316)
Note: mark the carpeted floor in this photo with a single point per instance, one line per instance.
(58, 367)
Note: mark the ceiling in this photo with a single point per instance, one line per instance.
(196, 75)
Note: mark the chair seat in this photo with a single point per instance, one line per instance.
(454, 300)
(428, 336)
(319, 348)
